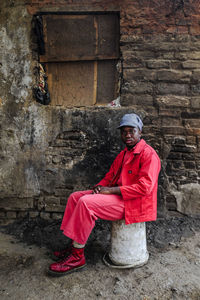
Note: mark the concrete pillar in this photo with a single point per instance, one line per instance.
(128, 245)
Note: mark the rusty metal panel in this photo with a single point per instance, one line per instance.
(80, 37)
(72, 83)
(107, 83)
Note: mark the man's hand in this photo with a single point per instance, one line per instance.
(106, 190)
(96, 189)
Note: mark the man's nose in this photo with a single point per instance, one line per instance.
(128, 134)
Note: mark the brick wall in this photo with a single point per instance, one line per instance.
(47, 152)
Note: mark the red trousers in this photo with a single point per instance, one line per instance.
(84, 208)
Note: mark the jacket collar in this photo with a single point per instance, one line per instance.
(138, 147)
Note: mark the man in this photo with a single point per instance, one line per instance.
(128, 191)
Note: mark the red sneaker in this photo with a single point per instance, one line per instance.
(75, 261)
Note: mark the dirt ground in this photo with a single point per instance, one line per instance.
(172, 272)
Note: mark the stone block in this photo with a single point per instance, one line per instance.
(167, 112)
(22, 214)
(11, 215)
(130, 60)
(174, 76)
(173, 130)
(194, 55)
(178, 164)
(45, 215)
(142, 100)
(57, 216)
(191, 140)
(174, 156)
(187, 198)
(185, 148)
(192, 174)
(166, 55)
(158, 64)
(50, 204)
(139, 74)
(195, 114)
(16, 203)
(179, 141)
(189, 165)
(195, 89)
(194, 123)
(173, 101)
(164, 88)
(191, 64)
(33, 214)
(195, 101)
(135, 87)
(2, 214)
(55, 208)
(188, 156)
(195, 75)
(181, 55)
(173, 121)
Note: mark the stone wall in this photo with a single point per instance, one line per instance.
(47, 151)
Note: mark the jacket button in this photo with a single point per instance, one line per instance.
(129, 172)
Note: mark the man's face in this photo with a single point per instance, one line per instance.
(130, 136)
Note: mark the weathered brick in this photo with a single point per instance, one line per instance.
(195, 102)
(173, 130)
(2, 214)
(164, 88)
(175, 155)
(189, 164)
(170, 121)
(16, 203)
(139, 74)
(177, 164)
(22, 214)
(131, 60)
(174, 76)
(188, 157)
(179, 141)
(171, 203)
(135, 87)
(191, 139)
(55, 208)
(192, 131)
(195, 76)
(164, 112)
(194, 55)
(191, 64)
(195, 123)
(33, 214)
(192, 174)
(184, 148)
(181, 55)
(11, 215)
(158, 64)
(45, 215)
(175, 101)
(127, 100)
(195, 89)
(57, 216)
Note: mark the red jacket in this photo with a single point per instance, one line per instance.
(139, 182)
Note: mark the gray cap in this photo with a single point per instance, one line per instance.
(131, 120)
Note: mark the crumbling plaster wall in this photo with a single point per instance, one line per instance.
(47, 152)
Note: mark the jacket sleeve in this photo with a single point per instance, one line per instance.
(146, 179)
